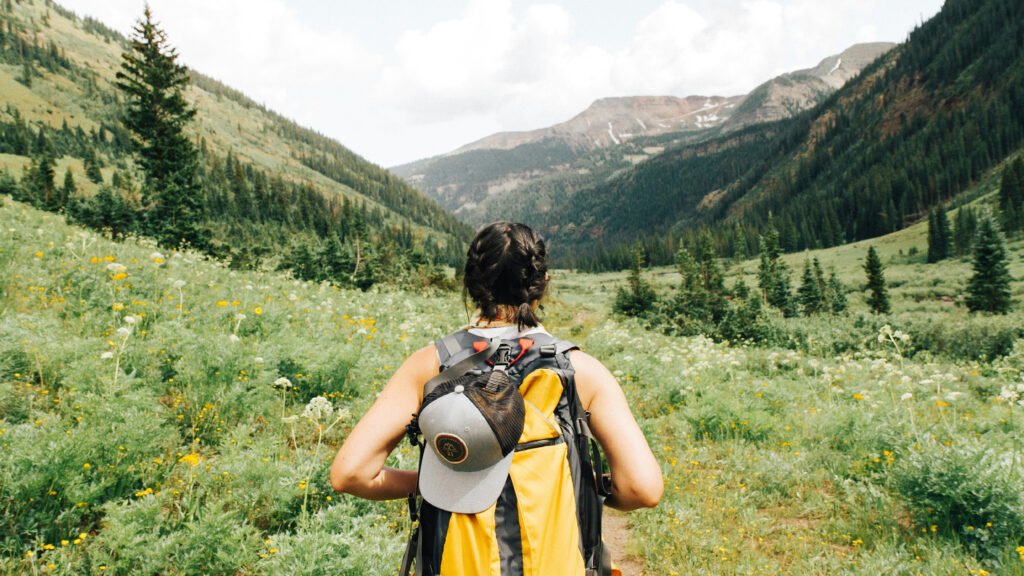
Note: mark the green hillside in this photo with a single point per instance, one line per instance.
(145, 428)
(268, 183)
(917, 128)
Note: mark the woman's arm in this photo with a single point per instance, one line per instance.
(358, 468)
(636, 476)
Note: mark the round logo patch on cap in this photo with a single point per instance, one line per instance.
(451, 448)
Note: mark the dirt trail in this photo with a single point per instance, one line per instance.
(615, 531)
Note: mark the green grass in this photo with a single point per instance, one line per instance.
(164, 443)
(158, 446)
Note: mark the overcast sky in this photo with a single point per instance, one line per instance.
(400, 80)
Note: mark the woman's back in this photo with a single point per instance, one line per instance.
(529, 521)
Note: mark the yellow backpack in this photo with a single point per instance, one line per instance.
(547, 518)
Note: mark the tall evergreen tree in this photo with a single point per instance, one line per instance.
(988, 289)
(809, 292)
(67, 191)
(879, 297)
(639, 296)
(836, 294)
(1011, 196)
(939, 236)
(963, 232)
(92, 167)
(773, 274)
(157, 113)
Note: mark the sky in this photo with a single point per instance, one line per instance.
(400, 80)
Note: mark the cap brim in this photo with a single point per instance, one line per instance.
(462, 492)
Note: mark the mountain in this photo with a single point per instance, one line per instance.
(267, 182)
(918, 127)
(615, 133)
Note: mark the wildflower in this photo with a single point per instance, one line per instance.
(222, 303)
(290, 419)
(906, 396)
(179, 284)
(157, 257)
(191, 459)
(129, 320)
(124, 331)
(86, 466)
(282, 382)
(107, 355)
(258, 359)
(115, 268)
(239, 316)
(884, 333)
(318, 408)
(234, 339)
(257, 310)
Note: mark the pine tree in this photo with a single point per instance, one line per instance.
(939, 235)
(92, 167)
(1011, 190)
(963, 233)
(67, 191)
(879, 297)
(639, 296)
(772, 273)
(837, 294)
(711, 273)
(157, 114)
(988, 289)
(809, 292)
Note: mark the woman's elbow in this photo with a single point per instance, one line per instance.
(343, 479)
(651, 494)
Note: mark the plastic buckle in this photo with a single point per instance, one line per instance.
(503, 356)
(548, 350)
(413, 513)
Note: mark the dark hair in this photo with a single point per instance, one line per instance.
(507, 265)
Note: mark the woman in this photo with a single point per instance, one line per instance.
(506, 277)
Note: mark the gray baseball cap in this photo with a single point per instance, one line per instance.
(470, 426)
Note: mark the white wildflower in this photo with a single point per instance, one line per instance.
(234, 338)
(156, 256)
(290, 419)
(283, 382)
(292, 297)
(319, 408)
(884, 333)
(239, 316)
(906, 396)
(952, 396)
(107, 355)
(124, 331)
(115, 267)
(1009, 394)
(179, 284)
(258, 359)
(129, 320)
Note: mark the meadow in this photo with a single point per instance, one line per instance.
(162, 414)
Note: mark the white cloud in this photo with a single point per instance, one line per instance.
(495, 65)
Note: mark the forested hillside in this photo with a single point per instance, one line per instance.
(480, 180)
(915, 129)
(271, 190)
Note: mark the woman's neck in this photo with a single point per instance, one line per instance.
(505, 317)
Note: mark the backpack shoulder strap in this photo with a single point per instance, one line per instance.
(450, 347)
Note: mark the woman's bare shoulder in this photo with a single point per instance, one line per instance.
(591, 376)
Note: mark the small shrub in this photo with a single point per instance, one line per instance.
(965, 493)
